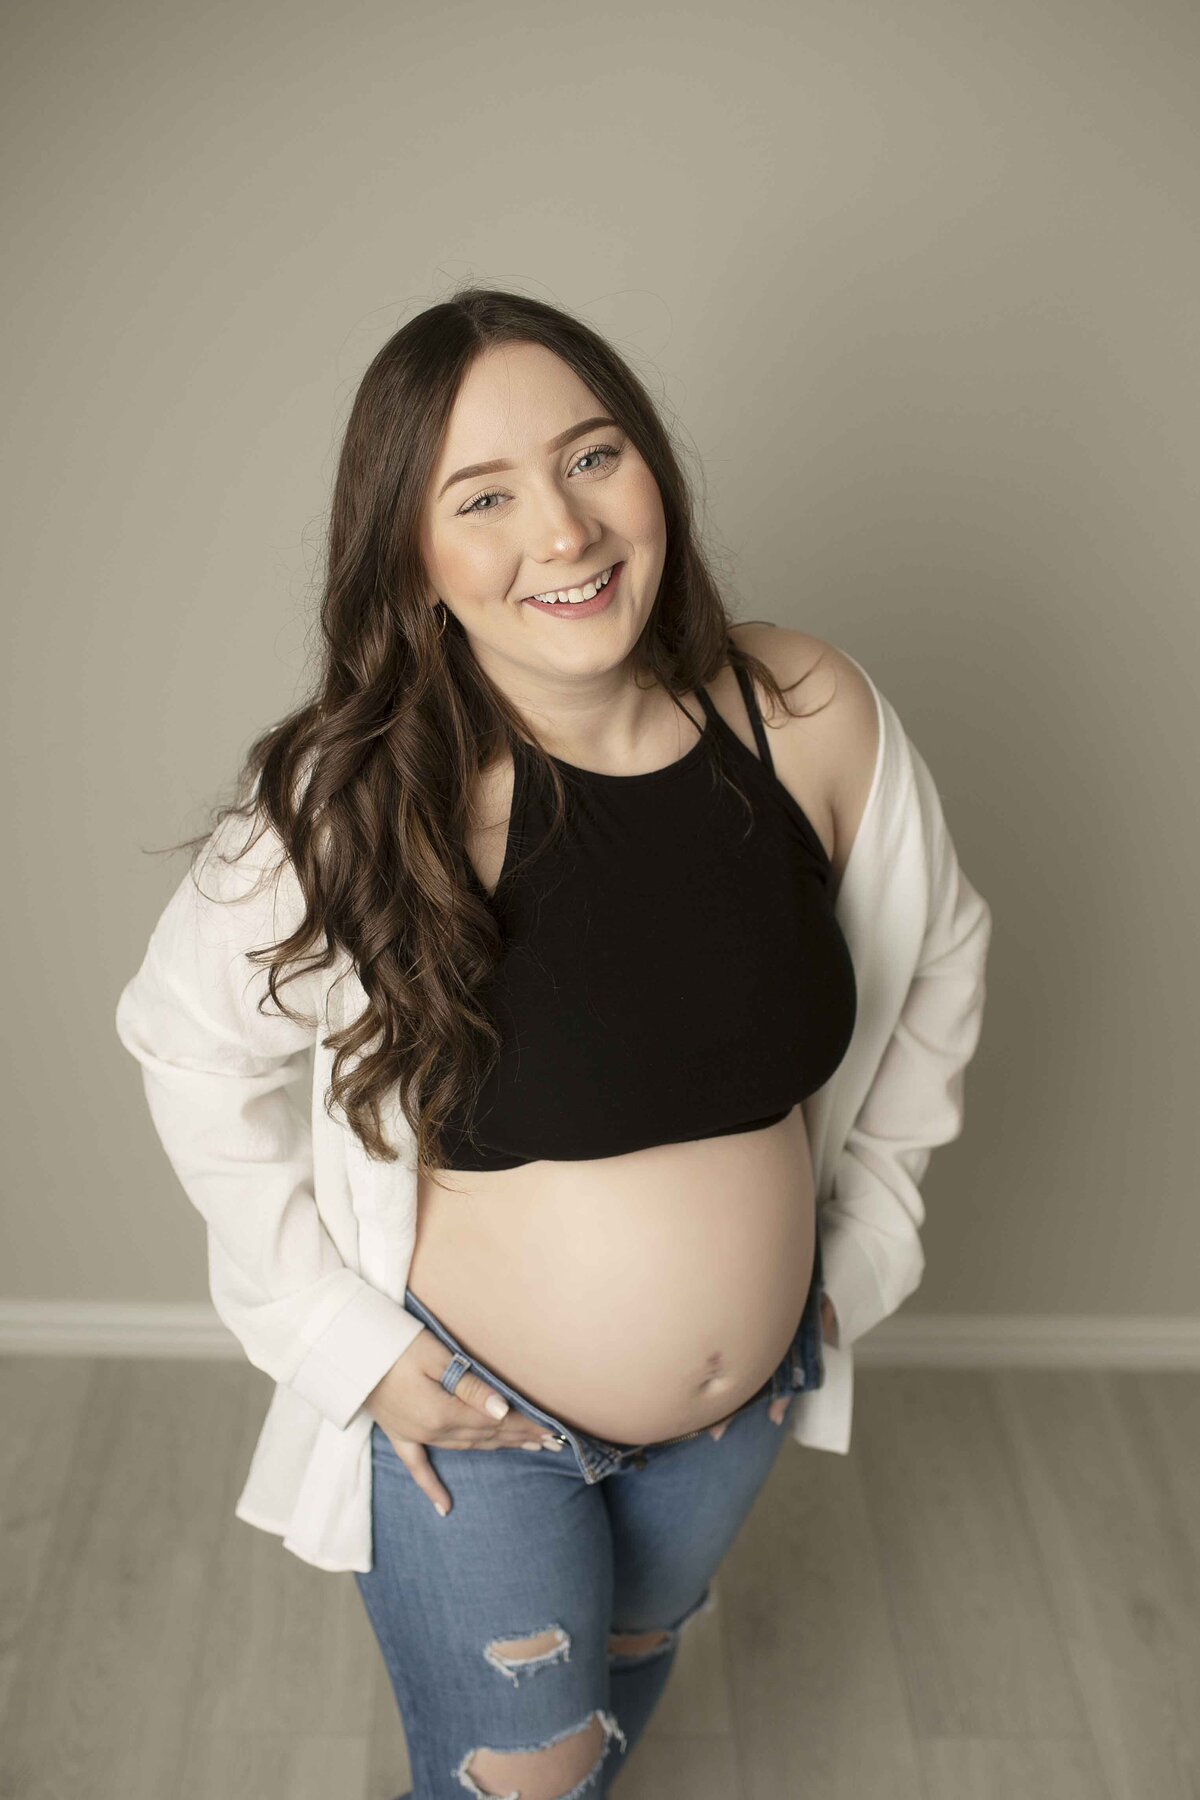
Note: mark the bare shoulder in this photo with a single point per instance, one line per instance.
(831, 730)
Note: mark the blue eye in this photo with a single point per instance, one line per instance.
(473, 508)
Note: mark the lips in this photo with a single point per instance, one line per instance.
(565, 587)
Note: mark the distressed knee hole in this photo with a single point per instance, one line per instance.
(517, 1656)
(556, 1771)
(637, 1644)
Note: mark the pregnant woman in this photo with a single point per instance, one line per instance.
(552, 820)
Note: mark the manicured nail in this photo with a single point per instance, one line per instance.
(497, 1407)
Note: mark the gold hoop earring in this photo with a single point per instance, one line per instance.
(445, 617)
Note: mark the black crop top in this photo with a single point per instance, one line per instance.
(665, 977)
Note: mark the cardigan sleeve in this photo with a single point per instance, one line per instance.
(870, 1227)
(218, 1077)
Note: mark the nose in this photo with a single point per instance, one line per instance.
(566, 537)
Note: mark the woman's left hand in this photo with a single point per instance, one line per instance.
(828, 1321)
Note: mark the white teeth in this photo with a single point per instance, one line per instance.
(575, 596)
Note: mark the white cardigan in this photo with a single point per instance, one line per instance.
(310, 1240)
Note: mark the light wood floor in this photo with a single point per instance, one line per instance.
(996, 1596)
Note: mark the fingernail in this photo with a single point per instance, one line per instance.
(442, 1509)
(497, 1407)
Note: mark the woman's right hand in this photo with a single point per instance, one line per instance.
(413, 1409)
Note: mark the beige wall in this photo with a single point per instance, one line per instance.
(920, 284)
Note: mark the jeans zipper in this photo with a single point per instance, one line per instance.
(638, 1459)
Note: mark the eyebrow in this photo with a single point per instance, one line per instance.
(556, 443)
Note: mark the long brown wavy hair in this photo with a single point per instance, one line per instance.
(367, 784)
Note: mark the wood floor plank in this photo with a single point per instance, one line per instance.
(669, 1766)
(1011, 1769)
(1118, 1569)
(975, 1628)
(41, 1404)
(1168, 1406)
(236, 1765)
(697, 1702)
(819, 1695)
(287, 1647)
(100, 1699)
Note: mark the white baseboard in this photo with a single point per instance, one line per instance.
(909, 1340)
(113, 1328)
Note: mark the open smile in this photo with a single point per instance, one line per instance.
(581, 606)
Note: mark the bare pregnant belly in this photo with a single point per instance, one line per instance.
(635, 1297)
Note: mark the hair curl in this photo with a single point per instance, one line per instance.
(366, 784)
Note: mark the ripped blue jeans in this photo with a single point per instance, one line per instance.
(495, 1621)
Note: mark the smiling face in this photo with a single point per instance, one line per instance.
(576, 500)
